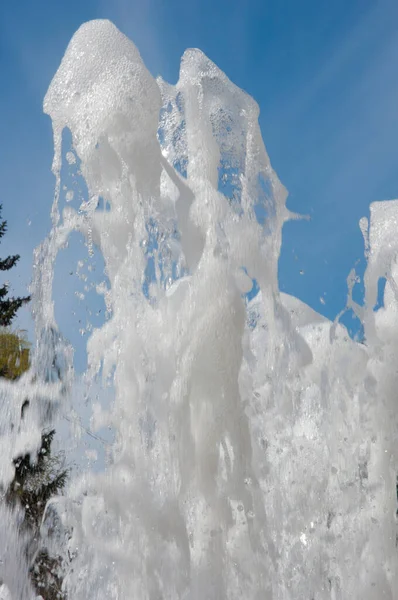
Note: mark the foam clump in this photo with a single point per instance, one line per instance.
(254, 448)
(103, 93)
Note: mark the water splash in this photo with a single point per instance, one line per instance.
(254, 452)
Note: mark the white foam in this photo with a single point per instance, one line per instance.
(255, 442)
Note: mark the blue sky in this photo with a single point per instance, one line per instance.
(324, 74)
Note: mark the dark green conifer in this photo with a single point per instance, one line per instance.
(8, 305)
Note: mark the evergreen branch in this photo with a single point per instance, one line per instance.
(9, 262)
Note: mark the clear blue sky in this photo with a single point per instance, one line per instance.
(324, 74)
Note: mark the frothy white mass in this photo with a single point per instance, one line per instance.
(255, 450)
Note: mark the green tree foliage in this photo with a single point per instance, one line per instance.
(8, 305)
(14, 355)
(34, 484)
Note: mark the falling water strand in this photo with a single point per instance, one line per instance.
(255, 445)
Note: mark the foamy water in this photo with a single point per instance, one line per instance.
(255, 449)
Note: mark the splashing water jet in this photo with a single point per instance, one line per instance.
(255, 444)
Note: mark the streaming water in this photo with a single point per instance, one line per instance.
(255, 449)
